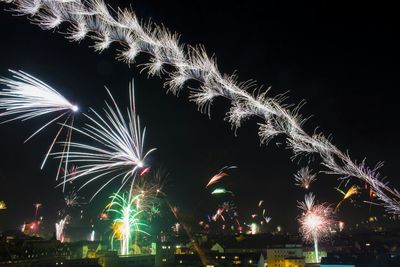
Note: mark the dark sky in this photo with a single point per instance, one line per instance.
(341, 58)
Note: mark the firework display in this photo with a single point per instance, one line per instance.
(119, 146)
(105, 26)
(353, 190)
(72, 199)
(304, 177)
(127, 220)
(26, 97)
(60, 226)
(314, 221)
(109, 151)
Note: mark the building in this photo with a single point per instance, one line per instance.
(288, 255)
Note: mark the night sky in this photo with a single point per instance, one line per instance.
(342, 59)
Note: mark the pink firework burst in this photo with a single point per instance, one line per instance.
(314, 221)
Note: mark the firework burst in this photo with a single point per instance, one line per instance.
(72, 199)
(304, 177)
(127, 220)
(119, 146)
(106, 26)
(353, 190)
(314, 221)
(60, 228)
(26, 97)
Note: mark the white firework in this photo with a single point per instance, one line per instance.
(60, 228)
(26, 97)
(314, 221)
(93, 19)
(304, 177)
(116, 147)
(72, 199)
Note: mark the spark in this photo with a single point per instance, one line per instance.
(37, 206)
(60, 227)
(304, 177)
(117, 149)
(26, 97)
(145, 171)
(72, 199)
(260, 203)
(221, 174)
(126, 222)
(314, 221)
(341, 226)
(353, 190)
(218, 214)
(149, 192)
(92, 235)
(254, 229)
(221, 191)
(3, 205)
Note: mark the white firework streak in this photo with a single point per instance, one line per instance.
(118, 146)
(26, 97)
(94, 19)
(304, 177)
(60, 227)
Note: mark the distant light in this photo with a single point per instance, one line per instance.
(368, 244)
(75, 108)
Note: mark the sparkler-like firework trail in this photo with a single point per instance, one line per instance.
(127, 221)
(119, 146)
(314, 221)
(304, 177)
(94, 19)
(26, 97)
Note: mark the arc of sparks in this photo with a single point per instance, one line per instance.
(218, 191)
(353, 190)
(221, 174)
(26, 97)
(116, 148)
